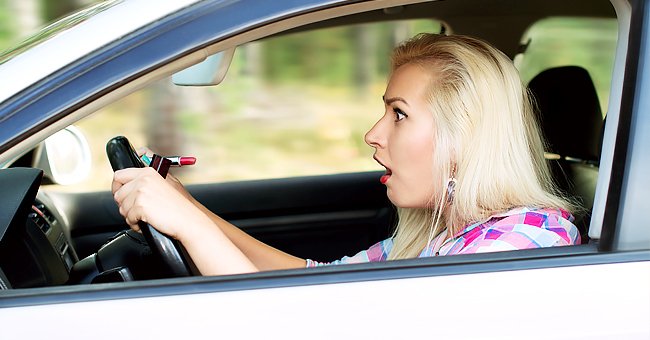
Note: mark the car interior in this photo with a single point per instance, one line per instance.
(55, 237)
(566, 98)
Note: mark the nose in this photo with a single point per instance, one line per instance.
(376, 136)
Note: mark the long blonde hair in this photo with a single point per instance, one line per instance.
(486, 136)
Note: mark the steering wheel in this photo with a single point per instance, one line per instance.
(121, 155)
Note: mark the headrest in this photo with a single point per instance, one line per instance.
(569, 111)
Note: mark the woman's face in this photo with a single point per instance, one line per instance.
(403, 139)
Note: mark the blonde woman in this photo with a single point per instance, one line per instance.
(464, 166)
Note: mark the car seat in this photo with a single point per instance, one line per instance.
(572, 123)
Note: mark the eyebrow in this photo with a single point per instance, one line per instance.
(389, 101)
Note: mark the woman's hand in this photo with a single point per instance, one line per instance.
(143, 195)
(175, 183)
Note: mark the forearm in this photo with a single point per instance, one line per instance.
(263, 256)
(212, 251)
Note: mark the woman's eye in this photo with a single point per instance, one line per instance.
(399, 114)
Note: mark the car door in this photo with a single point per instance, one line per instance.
(597, 290)
(349, 214)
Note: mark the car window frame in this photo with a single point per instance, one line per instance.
(529, 259)
(41, 97)
(624, 226)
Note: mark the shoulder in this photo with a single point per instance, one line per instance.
(524, 228)
(539, 223)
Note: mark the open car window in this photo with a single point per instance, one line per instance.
(280, 112)
(586, 42)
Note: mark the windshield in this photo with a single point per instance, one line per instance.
(55, 28)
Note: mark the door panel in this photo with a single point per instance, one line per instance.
(617, 304)
(317, 217)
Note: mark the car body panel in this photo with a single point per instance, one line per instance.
(361, 309)
(591, 291)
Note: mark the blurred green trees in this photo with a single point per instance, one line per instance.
(358, 54)
(21, 18)
(327, 56)
(54, 9)
(587, 42)
(295, 104)
(7, 27)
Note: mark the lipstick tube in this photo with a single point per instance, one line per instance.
(175, 160)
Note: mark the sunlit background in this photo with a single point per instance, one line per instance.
(291, 105)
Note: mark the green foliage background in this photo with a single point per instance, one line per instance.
(7, 31)
(300, 104)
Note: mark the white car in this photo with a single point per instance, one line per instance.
(59, 277)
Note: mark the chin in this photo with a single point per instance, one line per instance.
(405, 202)
(393, 198)
(408, 201)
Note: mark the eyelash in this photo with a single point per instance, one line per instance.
(399, 113)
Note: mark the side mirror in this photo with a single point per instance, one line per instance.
(210, 71)
(64, 157)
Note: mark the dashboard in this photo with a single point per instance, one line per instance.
(34, 251)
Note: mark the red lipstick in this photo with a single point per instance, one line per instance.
(175, 160)
(182, 160)
(383, 179)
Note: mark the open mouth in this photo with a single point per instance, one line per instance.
(383, 179)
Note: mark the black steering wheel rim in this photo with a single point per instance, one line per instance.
(121, 155)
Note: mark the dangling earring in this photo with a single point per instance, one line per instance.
(451, 185)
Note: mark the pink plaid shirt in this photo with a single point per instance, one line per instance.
(518, 228)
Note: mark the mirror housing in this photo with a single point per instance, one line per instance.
(64, 157)
(210, 71)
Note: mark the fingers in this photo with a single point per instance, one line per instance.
(134, 215)
(135, 227)
(134, 180)
(125, 201)
(127, 175)
(143, 195)
(128, 208)
(121, 177)
(130, 188)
